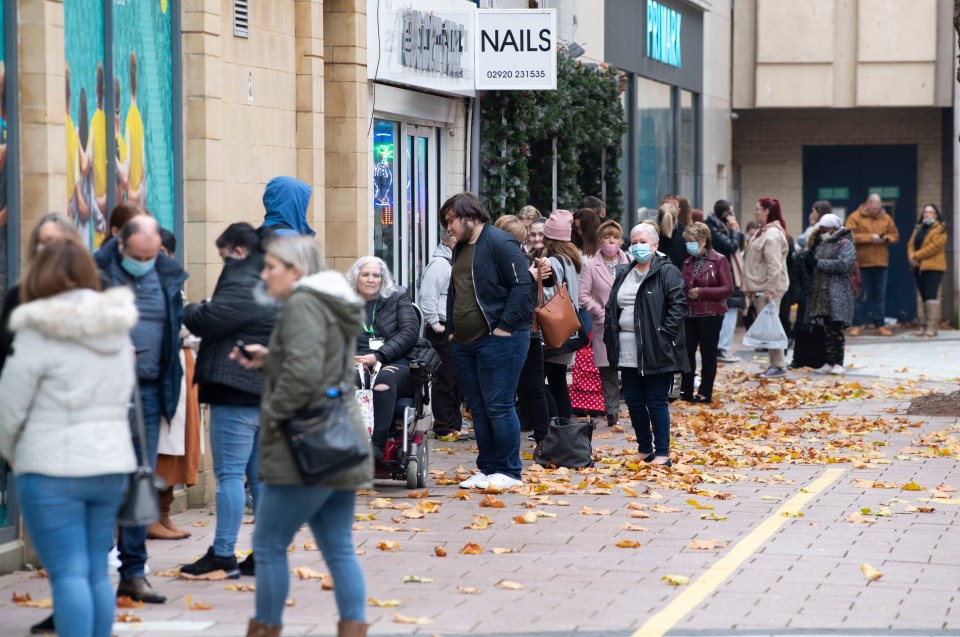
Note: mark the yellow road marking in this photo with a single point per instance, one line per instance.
(700, 588)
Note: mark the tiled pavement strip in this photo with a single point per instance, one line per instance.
(803, 579)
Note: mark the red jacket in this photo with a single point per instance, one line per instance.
(714, 282)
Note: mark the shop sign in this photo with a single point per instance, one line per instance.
(663, 34)
(886, 192)
(423, 44)
(839, 194)
(516, 50)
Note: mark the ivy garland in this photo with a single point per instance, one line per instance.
(584, 115)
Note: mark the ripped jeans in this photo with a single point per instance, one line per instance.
(392, 382)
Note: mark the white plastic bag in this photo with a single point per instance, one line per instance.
(365, 396)
(767, 331)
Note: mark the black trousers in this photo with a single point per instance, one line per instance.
(445, 394)
(531, 392)
(702, 332)
(928, 284)
(834, 342)
(556, 375)
(391, 383)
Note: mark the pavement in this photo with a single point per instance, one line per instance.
(807, 505)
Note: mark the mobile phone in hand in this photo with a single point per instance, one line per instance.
(243, 351)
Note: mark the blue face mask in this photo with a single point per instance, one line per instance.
(929, 222)
(137, 269)
(693, 248)
(642, 252)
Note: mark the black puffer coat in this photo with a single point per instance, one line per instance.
(397, 323)
(230, 315)
(658, 319)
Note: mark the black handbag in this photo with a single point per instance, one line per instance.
(141, 504)
(567, 444)
(324, 439)
(737, 300)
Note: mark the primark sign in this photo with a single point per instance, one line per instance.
(663, 34)
(452, 47)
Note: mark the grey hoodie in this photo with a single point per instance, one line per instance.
(317, 328)
(434, 286)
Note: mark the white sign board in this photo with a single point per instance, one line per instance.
(516, 50)
(426, 44)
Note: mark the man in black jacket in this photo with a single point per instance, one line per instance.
(232, 392)
(727, 239)
(488, 318)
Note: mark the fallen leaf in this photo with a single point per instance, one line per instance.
(468, 590)
(500, 551)
(25, 601)
(201, 523)
(632, 527)
(242, 588)
(589, 511)
(403, 619)
(212, 576)
(326, 583)
(125, 601)
(386, 603)
(428, 506)
(387, 545)
(192, 605)
(417, 579)
(305, 572)
(480, 522)
(309, 546)
(792, 514)
(859, 518)
(628, 544)
(715, 517)
(364, 517)
(127, 618)
(381, 503)
(639, 515)
(925, 509)
(508, 585)
(439, 551)
(676, 580)
(492, 502)
(170, 572)
(462, 494)
(870, 573)
(386, 528)
(527, 518)
(697, 505)
(707, 545)
(912, 486)
(659, 508)
(419, 494)
(290, 602)
(413, 514)
(471, 549)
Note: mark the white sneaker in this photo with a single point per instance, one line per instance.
(825, 369)
(838, 370)
(113, 559)
(476, 481)
(502, 481)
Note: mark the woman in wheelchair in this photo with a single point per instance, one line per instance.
(390, 331)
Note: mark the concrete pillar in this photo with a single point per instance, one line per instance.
(310, 109)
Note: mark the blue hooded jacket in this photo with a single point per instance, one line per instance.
(285, 200)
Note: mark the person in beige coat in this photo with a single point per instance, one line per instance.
(765, 276)
(310, 351)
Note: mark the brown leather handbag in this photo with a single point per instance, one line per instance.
(557, 318)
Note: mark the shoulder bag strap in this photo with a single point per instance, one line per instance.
(139, 428)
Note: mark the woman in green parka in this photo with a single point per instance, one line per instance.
(321, 316)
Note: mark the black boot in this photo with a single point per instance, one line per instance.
(44, 627)
(212, 562)
(248, 566)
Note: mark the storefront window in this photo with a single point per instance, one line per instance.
(384, 189)
(654, 131)
(8, 514)
(688, 146)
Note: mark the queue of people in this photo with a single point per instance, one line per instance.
(280, 332)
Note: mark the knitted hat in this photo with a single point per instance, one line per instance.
(558, 225)
(830, 220)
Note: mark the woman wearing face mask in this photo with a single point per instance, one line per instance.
(707, 283)
(232, 392)
(596, 280)
(926, 254)
(51, 227)
(831, 290)
(765, 276)
(644, 318)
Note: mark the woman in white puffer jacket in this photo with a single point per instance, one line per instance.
(64, 427)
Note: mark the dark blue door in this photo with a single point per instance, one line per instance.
(845, 175)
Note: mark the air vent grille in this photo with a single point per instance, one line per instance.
(241, 18)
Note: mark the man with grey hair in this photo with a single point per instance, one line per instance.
(873, 233)
(445, 394)
(134, 259)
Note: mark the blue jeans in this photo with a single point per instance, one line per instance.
(727, 330)
(71, 522)
(646, 398)
(282, 509)
(871, 304)
(489, 370)
(132, 540)
(235, 443)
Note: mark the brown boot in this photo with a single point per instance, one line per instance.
(351, 629)
(921, 319)
(256, 629)
(932, 312)
(166, 499)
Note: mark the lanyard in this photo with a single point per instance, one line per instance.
(373, 317)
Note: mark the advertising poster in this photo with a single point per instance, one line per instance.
(86, 120)
(142, 62)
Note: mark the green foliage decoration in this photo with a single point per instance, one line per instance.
(584, 115)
